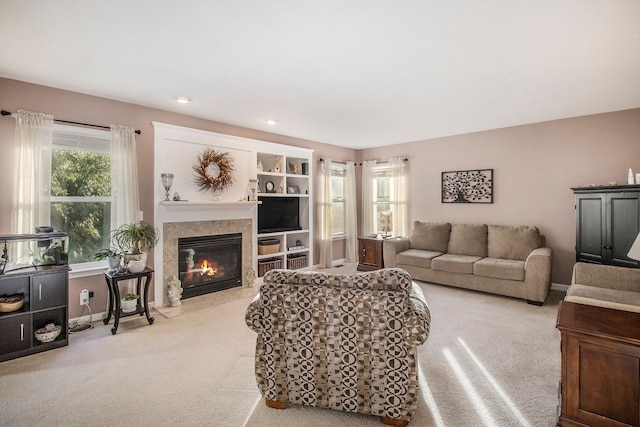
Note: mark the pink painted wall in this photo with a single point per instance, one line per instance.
(534, 166)
(78, 107)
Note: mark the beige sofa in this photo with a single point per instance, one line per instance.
(605, 286)
(503, 260)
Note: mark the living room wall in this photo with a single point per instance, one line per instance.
(78, 107)
(534, 166)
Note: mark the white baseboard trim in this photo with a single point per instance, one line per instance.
(559, 287)
(96, 316)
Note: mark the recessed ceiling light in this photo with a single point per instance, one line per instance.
(271, 122)
(183, 99)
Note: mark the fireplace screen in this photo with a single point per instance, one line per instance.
(209, 263)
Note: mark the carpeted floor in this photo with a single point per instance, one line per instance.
(489, 361)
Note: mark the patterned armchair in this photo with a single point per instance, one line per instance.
(340, 341)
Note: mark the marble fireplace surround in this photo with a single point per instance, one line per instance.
(192, 219)
(172, 231)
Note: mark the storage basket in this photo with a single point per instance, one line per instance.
(265, 265)
(268, 246)
(296, 261)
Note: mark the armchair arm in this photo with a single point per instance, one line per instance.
(391, 248)
(417, 318)
(537, 274)
(253, 316)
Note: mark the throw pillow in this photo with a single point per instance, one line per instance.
(468, 239)
(513, 242)
(430, 236)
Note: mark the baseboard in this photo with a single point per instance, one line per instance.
(96, 316)
(559, 287)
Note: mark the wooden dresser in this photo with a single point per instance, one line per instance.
(600, 383)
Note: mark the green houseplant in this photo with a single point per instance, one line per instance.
(133, 239)
(113, 257)
(129, 302)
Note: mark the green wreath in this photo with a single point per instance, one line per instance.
(214, 171)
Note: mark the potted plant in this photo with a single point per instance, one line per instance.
(129, 303)
(113, 257)
(134, 239)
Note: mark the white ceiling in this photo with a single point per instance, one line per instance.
(355, 73)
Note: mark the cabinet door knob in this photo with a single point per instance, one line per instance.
(21, 331)
(40, 291)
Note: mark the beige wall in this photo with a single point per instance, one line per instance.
(534, 166)
(78, 107)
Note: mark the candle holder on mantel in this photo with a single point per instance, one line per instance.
(167, 182)
(253, 186)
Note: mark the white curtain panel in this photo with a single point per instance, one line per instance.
(325, 215)
(351, 214)
(368, 181)
(399, 197)
(124, 176)
(32, 176)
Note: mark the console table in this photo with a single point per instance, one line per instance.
(142, 307)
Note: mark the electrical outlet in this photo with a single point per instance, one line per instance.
(84, 297)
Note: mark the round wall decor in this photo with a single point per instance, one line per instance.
(213, 170)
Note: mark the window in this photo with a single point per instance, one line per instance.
(81, 189)
(338, 201)
(382, 196)
(384, 193)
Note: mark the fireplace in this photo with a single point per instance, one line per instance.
(209, 263)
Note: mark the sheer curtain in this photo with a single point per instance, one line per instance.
(351, 213)
(398, 197)
(124, 176)
(326, 241)
(32, 176)
(368, 184)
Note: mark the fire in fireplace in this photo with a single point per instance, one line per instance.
(209, 263)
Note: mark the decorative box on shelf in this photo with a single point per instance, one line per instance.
(268, 246)
(265, 265)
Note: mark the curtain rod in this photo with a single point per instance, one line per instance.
(360, 164)
(8, 113)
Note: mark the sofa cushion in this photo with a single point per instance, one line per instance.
(509, 269)
(454, 263)
(512, 242)
(430, 236)
(416, 258)
(604, 297)
(468, 239)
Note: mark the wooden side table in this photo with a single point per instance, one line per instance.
(370, 254)
(142, 307)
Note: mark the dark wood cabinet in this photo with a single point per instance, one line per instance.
(607, 223)
(45, 301)
(370, 254)
(600, 383)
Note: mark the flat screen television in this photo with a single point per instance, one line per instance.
(278, 214)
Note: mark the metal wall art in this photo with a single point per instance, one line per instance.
(472, 186)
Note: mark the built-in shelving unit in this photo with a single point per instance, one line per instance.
(287, 172)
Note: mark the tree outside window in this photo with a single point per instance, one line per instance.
(81, 190)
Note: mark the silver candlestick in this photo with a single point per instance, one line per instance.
(167, 182)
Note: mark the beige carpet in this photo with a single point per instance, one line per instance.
(489, 361)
